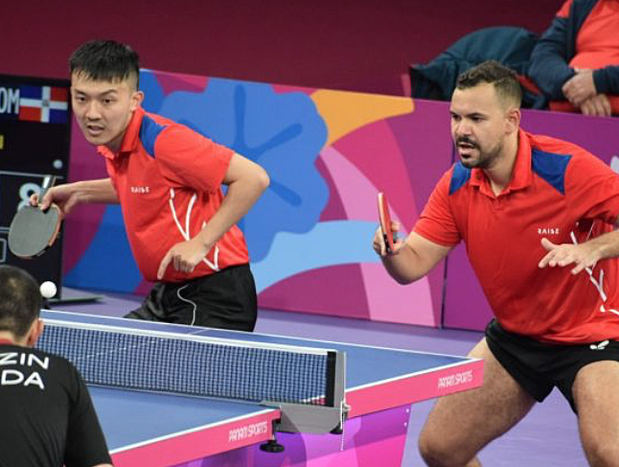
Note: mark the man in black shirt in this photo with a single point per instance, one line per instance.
(46, 414)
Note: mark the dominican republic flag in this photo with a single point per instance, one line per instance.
(45, 104)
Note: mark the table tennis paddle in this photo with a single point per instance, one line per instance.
(385, 222)
(32, 230)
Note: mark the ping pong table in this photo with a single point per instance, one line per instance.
(157, 429)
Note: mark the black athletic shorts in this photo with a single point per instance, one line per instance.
(225, 299)
(539, 367)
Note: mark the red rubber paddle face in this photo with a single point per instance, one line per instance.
(385, 222)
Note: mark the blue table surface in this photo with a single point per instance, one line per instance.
(162, 414)
(129, 417)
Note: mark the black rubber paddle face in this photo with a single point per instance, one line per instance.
(32, 231)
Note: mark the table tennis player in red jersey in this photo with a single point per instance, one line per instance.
(167, 179)
(537, 216)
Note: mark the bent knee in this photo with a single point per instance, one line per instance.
(438, 451)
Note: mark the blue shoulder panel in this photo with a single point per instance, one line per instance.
(459, 177)
(148, 134)
(551, 167)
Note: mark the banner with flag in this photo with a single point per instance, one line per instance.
(47, 104)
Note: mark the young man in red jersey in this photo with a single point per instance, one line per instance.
(537, 215)
(167, 179)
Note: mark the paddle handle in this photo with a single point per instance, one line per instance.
(48, 182)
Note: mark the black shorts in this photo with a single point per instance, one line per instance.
(539, 367)
(225, 299)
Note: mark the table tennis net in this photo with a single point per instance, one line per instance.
(193, 365)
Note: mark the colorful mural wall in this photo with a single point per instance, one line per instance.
(328, 153)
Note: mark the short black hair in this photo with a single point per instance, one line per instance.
(504, 79)
(20, 300)
(105, 60)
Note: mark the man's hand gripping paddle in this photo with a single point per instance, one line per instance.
(32, 230)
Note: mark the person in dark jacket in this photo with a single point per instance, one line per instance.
(508, 45)
(576, 61)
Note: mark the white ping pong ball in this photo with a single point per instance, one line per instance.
(48, 289)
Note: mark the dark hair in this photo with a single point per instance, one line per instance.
(20, 300)
(505, 80)
(105, 60)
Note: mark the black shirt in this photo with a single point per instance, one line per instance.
(46, 415)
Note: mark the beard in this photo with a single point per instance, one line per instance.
(486, 158)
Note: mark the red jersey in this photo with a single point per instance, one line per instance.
(168, 180)
(597, 44)
(558, 191)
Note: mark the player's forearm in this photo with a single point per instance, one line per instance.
(242, 194)
(405, 266)
(96, 191)
(605, 246)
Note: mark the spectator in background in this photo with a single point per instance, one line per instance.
(576, 61)
(511, 46)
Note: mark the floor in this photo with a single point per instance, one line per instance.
(547, 437)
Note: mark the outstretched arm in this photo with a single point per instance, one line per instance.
(583, 255)
(67, 196)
